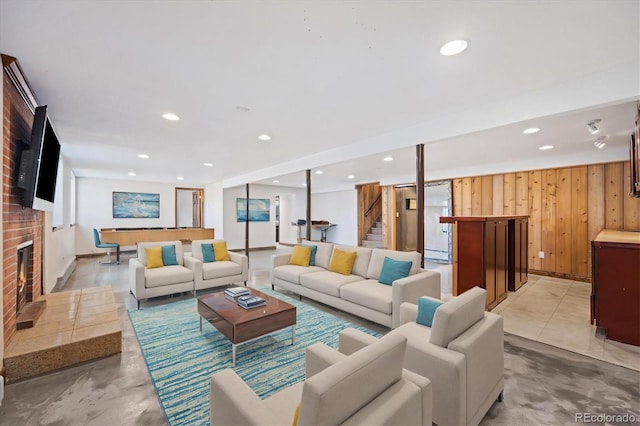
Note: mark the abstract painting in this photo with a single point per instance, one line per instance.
(258, 209)
(136, 205)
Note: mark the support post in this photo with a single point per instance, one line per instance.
(246, 224)
(420, 201)
(308, 205)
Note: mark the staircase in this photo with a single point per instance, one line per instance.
(374, 236)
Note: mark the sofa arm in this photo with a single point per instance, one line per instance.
(320, 356)
(195, 265)
(447, 371)
(483, 348)
(427, 394)
(410, 288)
(243, 261)
(278, 260)
(136, 278)
(351, 340)
(232, 402)
(408, 313)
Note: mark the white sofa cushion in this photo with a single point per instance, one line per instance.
(327, 282)
(363, 256)
(369, 293)
(323, 253)
(456, 315)
(414, 332)
(221, 268)
(173, 274)
(142, 255)
(292, 273)
(377, 260)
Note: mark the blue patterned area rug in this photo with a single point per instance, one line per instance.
(181, 359)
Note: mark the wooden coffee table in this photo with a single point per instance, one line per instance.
(240, 325)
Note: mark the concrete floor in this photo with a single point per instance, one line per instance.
(543, 384)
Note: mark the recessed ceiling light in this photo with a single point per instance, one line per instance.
(170, 116)
(276, 181)
(131, 173)
(207, 164)
(242, 108)
(143, 156)
(453, 47)
(388, 158)
(180, 178)
(264, 137)
(531, 130)
(351, 177)
(545, 147)
(319, 172)
(304, 184)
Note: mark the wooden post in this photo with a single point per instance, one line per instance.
(246, 225)
(420, 201)
(308, 205)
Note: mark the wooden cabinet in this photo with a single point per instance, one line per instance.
(519, 248)
(615, 288)
(484, 254)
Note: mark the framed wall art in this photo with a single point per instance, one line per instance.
(258, 209)
(136, 205)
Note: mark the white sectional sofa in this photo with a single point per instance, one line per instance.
(359, 293)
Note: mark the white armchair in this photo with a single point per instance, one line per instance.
(219, 273)
(462, 354)
(368, 387)
(145, 283)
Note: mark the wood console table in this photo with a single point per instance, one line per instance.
(489, 252)
(131, 237)
(615, 289)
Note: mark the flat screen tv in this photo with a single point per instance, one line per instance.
(39, 164)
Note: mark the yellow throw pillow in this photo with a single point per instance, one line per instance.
(342, 261)
(220, 250)
(296, 415)
(300, 256)
(154, 257)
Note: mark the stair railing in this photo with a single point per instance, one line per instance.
(371, 216)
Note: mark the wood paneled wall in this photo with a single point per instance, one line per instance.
(567, 208)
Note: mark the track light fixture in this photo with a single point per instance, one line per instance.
(592, 126)
(599, 143)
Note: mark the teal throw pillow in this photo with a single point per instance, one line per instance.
(426, 310)
(312, 259)
(169, 255)
(208, 255)
(394, 270)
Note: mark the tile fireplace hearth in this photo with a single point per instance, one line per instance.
(75, 326)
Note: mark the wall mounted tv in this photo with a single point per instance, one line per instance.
(39, 164)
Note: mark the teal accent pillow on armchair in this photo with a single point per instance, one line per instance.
(169, 255)
(426, 310)
(208, 255)
(394, 270)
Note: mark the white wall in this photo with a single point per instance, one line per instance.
(94, 208)
(341, 208)
(261, 234)
(214, 208)
(1, 242)
(59, 245)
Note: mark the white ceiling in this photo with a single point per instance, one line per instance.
(338, 85)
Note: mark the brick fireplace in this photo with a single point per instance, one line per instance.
(19, 225)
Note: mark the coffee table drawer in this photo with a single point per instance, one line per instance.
(261, 326)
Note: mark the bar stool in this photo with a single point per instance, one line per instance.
(109, 246)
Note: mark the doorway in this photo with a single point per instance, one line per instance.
(437, 236)
(189, 207)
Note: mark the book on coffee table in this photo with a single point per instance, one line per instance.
(236, 291)
(251, 301)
